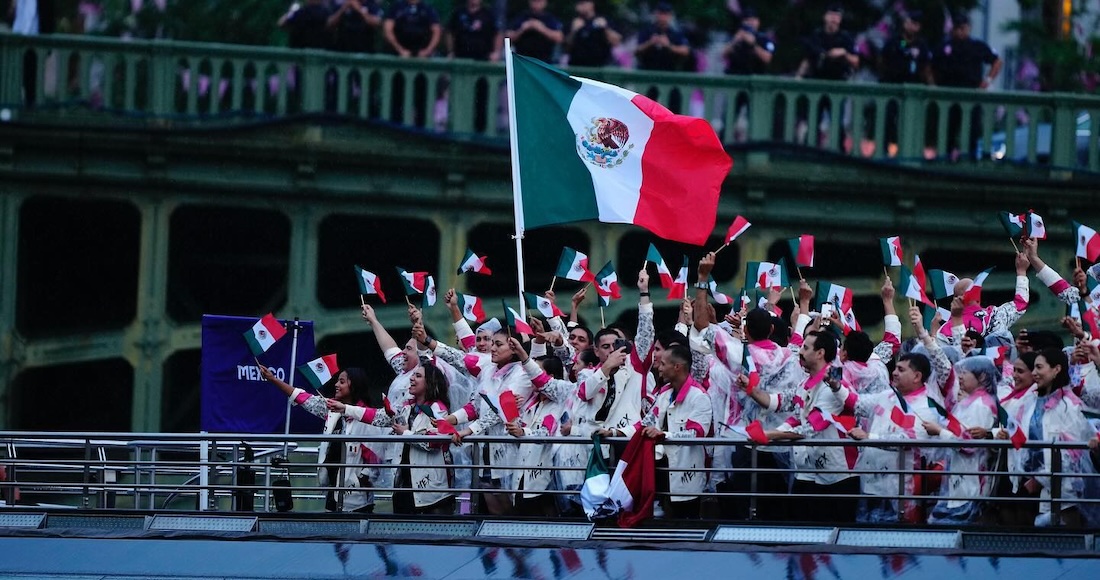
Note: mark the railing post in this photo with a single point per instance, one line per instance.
(1055, 486)
(11, 67)
(1063, 135)
(901, 483)
(911, 124)
(312, 82)
(161, 78)
(84, 500)
(204, 474)
(752, 482)
(475, 481)
(462, 100)
(761, 96)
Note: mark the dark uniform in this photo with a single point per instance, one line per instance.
(658, 57)
(821, 65)
(474, 33)
(903, 61)
(590, 46)
(353, 34)
(412, 24)
(535, 44)
(743, 59)
(961, 63)
(308, 27)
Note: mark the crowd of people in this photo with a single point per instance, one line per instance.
(759, 377)
(413, 28)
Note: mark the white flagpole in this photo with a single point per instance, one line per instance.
(290, 381)
(517, 196)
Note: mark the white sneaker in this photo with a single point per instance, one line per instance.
(1043, 520)
(658, 512)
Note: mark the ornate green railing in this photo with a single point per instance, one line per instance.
(177, 83)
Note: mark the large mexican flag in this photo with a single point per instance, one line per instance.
(589, 150)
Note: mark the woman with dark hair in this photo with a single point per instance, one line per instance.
(482, 414)
(362, 458)
(1021, 512)
(976, 409)
(423, 466)
(1054, 414)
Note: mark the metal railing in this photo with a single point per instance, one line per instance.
(164, 471)
(173, 83)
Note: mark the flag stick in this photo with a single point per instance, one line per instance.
(1078, 258)
(720, 249)
(362, 302)
(552, 280)
(645, 265)
(517, 197)
(795, 300)
(1014, 247)
(799, 270)
(407, 301)
(885, 272)
(602, 324)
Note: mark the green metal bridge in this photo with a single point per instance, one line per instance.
(143, 184)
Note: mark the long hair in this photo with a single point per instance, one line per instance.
(357, 378)
(435, 385)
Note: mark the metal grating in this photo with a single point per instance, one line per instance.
(203, 523)
(385, 528)
(898, 539)
(579, 531)
(1016, 543)
(22, 520)
(309, 527)
(773, 535)
(617, 534)
(97, 522)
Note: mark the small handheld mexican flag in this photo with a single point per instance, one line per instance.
(266, 332)
(910, 287)
(974, 292)
(472, 308)
(900, 415)
(369, 283)
(835, 294)
(947, 420)
(1013, 223)
(821, 419)
(719, 297)
(429, 292)
(738, 227)
(1088, 242)
(415, 282)
(1035, 226)
(802, 248)
(766, 275)
(320, 370)
(607, 285)
(943, 283)
(473, 263)
(891, 251)
(679, 286)
(756, 433)
(748, 368)
(514, 319)
(652, 255)
(544, 305)
(1015, 434)
(573, 265)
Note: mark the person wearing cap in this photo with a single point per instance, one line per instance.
(662, 46)
(591, 37)
(830, 54)
(749, 52)
(536, 33)
(961, 62)
(905, 58)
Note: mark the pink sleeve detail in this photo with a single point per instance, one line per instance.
(638, 426)
(471, 411)
(796, 339)
(850, 402)
(467, 342)
(369, 414)
(301, 398)
(541, 380)
(693, 426)
(793, 421)
(1058, 287)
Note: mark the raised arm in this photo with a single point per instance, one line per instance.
(643, 338)
(891, 336)
(1047, 275)
(314, 404)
